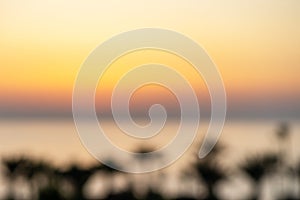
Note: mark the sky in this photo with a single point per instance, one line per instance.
(255, 44)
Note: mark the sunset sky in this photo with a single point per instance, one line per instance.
(255, 44)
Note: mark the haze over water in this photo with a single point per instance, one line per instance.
(57, 140)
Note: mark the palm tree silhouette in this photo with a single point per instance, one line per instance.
(11, 172)
(144, 158)
(110, 170)
(77, 177)
(35, 172)
(257, 168)
(210, 172)
(30, 170)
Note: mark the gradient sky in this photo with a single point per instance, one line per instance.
(255, 44)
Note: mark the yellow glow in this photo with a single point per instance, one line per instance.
(43, 43)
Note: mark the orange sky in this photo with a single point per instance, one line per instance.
(255, 44)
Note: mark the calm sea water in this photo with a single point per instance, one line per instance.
(57, 141)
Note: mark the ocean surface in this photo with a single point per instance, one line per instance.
(58, 141)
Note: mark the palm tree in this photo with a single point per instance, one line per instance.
(152, 195)
(110, 170)
(298, 169)
(210, 174)
(145, 159)
(77, 177)
(257, 168)
(32, 171)
(11, 172)
(48, 178)
(29, 169)
(128, 194)
(298, 176)
(283, 131)
(49, 193)
(284, 144)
